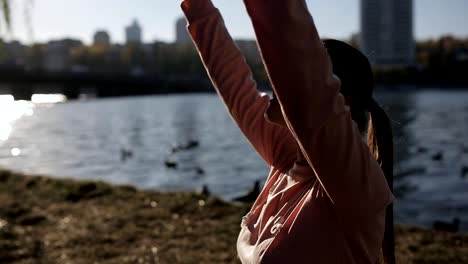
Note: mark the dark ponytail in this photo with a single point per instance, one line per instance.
(380, 141)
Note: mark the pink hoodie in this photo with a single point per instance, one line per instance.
(332, 211)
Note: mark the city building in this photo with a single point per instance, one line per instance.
(57, 54)
(102, 38)
(133, 33)
(182, 35)
(387, 31)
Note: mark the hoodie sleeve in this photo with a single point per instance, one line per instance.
(233, 81)
(309, 94)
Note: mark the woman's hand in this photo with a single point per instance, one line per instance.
(198, 8)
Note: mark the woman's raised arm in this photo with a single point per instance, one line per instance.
(232, 79)
(309, 94)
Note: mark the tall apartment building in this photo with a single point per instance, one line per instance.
(387, 31)
(182, 35)
(133, 33)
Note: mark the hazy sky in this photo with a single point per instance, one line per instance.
(52, 19)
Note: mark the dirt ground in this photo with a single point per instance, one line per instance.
(46, 220)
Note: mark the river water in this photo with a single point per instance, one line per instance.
(128, 141)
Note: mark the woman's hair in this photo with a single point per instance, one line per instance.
(357, 81)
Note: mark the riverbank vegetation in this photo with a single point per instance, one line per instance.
(439, 62)
(47, 220)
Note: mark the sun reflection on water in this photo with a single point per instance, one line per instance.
(11, 110)
(15, 152)
(48, 98)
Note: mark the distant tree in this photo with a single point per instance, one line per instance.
(98, 58)
(134, 56)
(355, 40)
(36, 57)
(176, 59)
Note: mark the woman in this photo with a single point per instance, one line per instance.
(326, 195)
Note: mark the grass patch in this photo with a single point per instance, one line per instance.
(46, 220)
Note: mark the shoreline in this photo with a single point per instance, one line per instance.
(52, 220)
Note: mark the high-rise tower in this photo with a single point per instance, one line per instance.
(133, 33)
(182, 35)
(387, 31)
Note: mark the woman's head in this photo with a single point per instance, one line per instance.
(357, 83)
(357, 80)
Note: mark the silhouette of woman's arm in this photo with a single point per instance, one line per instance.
(233, 82)
(301, 73)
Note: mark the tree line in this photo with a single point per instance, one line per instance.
(442, 61)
